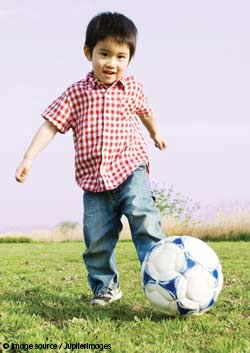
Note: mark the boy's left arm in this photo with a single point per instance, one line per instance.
(149, 123)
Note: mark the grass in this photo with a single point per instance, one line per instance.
(44, 293)
(16, 239)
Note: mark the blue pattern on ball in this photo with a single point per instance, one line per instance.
(210, 304)
(189, 262)
(148, 279)
(170, 287)
(179, 242)
(215, 274)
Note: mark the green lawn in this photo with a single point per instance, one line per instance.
(44, 293)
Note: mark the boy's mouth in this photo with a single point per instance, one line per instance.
(108, 72)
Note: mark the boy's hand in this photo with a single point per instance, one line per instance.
(43, 136)
(23, 170)
(159, 142)
(149, 123)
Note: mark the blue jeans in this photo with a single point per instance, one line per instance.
(102, 225)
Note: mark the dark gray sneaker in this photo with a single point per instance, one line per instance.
(106, 298)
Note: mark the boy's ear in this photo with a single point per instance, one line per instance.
(87, 53)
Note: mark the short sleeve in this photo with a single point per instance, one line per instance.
(59, 113)
(143, 107)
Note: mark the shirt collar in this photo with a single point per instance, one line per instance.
(94, 83)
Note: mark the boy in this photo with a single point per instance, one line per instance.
(111, 160)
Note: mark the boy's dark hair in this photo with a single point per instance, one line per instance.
(115, 25)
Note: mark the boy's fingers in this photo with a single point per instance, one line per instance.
(19, 178)
(161, 145)
(21, 174)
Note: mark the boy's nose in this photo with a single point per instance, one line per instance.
(110, 63)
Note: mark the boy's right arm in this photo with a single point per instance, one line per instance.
(42, 138)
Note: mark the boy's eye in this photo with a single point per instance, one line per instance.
(121, 57)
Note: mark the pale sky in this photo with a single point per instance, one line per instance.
(193, 58)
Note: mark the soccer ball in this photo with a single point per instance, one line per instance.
(181, 276)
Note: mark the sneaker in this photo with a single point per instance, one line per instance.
(106, 298)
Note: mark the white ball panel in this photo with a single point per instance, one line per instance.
(168, 276)
(171, 309)
(201, 252)
(154, 296)
(200, 286)
(187, 303)
(165, 295)
(181, 287)
(168, 257)
(152, 269)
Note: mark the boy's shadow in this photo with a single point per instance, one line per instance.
(58, 309)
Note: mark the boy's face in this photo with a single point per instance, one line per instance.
(109, 60)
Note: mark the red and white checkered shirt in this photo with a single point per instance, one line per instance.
(108, 141)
